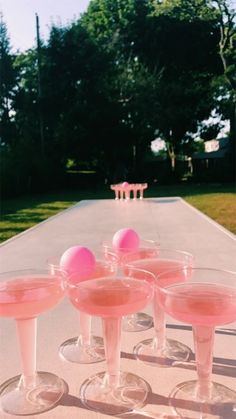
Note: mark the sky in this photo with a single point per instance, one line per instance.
(19, 17)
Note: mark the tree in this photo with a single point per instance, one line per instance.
(126, 72)
(7, 112)
(129, 84)
(227, 52)
(7, 83)
(174, 44)
(227, 42)
(27, 167)
(182, 39)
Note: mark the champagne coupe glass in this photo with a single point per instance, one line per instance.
(135, 190)
(24, 294)
(86, 348)
(135, 322)
(115, 189)
(142, 187)
(113, 391)
(160, 351)
(206, 300)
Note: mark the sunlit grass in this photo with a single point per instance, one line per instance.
(18, 221)
(221, 207)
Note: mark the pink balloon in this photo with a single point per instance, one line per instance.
(126, 239)
(78, 262)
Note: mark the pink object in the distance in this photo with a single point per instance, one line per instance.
(125, 184)
(78, 260)
(125, 189)
(126, 239)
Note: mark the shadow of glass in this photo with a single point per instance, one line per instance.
(164, 200)
(221, 410)
(104, 408)
(188, 409)
(221, 366)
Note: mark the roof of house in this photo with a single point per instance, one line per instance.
(218, 154)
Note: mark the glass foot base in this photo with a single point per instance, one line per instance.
(137, 322)
(44, 394)
(174, 351)
(221, 404)
(73, 351)
(130, 394)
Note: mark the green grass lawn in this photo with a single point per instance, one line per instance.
(17, 215)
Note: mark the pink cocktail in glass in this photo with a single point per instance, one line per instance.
(114, 391)
(140, 321)
(160, 351)
(86, 348)
(23, 296)
(206, 300)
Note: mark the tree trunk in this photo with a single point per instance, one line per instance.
(172, 155)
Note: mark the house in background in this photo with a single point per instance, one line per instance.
(213, 160)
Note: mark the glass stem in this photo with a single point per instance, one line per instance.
(159, 324)
(85, 321)
(112, 339)
(203, 343)
(27, 333)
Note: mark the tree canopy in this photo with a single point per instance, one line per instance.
(103, 87)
